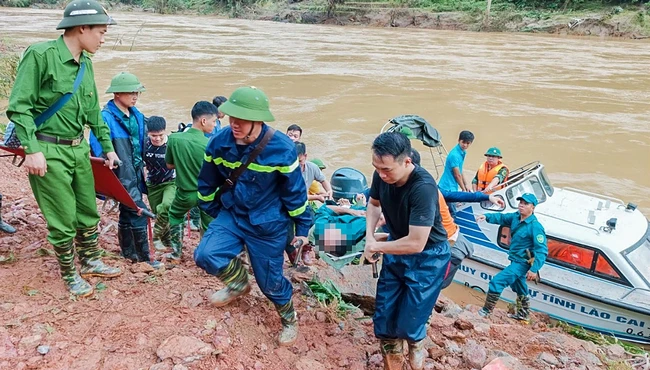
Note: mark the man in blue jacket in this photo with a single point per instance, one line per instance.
(255, 209)
(127, 126)
(527, 254)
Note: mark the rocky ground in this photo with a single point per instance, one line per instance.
(162, 321)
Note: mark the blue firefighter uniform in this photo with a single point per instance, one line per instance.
(256, 211)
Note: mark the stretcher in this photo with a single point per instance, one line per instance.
(107, 185)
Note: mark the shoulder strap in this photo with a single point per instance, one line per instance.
(234, 175)
(49, 112)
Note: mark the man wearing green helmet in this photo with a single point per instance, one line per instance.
(53, 99)
(128, 135)
(254, 208)
(491, 173)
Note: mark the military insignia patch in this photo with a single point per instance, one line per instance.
(540, 238)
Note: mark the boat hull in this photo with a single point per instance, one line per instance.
(562, 305)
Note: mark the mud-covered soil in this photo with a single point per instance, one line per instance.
(162, 320)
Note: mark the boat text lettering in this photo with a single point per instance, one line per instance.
(624, 320)
(558, 301)
(468, 269)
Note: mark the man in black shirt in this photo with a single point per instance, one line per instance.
(416, 260)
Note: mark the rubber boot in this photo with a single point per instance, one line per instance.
(235, 278)
(160, 235)
(5, 227)
(176, 241)
(195, 219)
(127, 244)
(141, 238)
(417, 355)
(289, 319)
(74, 283)
(523, 309)
(87, 243)
(490, 301)
(165, 238)
(393, 352)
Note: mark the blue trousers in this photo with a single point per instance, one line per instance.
(129, 217)
(224, 240)
(513, 276)
(407, 290)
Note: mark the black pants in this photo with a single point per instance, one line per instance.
(455, 264)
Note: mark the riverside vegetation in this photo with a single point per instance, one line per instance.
(619, 18)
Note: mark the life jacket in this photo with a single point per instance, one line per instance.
(485, 176)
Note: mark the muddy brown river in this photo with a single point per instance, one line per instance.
(578, 105)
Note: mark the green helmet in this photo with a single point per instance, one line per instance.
(248, 103)
(494, 152)
(84, 13)
(125, 82)
(319, 163)
(407, 131)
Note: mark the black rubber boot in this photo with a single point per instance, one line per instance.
(127, 243)
(141, 241)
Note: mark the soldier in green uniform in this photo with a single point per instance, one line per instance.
(185, 153)
(57, 155)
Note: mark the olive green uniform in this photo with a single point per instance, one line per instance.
(66, 194)
(160, 198)
(186, 151)
(46, 72)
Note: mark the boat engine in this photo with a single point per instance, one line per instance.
(347, 183)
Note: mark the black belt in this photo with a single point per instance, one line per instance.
(57, 140)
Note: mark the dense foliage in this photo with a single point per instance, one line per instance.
(235, 7)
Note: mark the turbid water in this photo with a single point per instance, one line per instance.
(579, 105)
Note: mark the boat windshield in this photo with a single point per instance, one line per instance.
(546, 183)
(531, 185)
(639, 258)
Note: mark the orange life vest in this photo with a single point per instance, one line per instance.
(447, 221)
(485, 176)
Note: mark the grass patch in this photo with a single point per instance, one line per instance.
(329, 296)
(7, 259)
(600, 339)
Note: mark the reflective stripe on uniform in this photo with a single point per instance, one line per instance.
(298, 211)
(209, 197)
(253, 166)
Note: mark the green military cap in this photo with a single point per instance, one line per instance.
(407, 131)
(494, 152)
(319, 163)
(248, 103)
(84, 13)
(125, 82)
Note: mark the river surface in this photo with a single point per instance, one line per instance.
(578, 105)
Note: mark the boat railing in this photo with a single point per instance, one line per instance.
(595, 195)
(568, 221)
(644, 290)
(520, 174)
